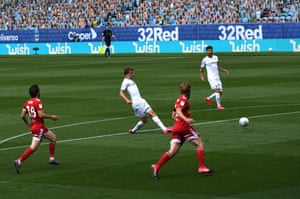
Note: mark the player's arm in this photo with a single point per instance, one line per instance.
(202, 74)
(123, 96)
(174, 114)
(182, 116)
(23, 117)
(102, 39)
(112, 34)
(46, 116)
(223, 69)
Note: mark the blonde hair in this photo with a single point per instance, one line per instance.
(185, 88)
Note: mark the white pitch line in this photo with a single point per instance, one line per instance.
(120, 118)
(257, 116)
(247, 107)
(64, 126)
(126, 133)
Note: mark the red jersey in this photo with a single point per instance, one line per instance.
(32, 106)
(183, 104)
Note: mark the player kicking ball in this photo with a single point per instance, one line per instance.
(139, 105)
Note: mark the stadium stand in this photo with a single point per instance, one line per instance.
(60, 14)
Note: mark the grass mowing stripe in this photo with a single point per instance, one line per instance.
(261, 161)
(141, 131)
(120, 118)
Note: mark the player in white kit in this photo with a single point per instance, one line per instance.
(139, 105)
(211, 63)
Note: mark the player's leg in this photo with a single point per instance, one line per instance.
(52, 145)
(200, 155)
(107, 50)
(158, 122)
(175, 145)
(209, 99)
(138, 112)
(194, 138)
(216, 85)
(218, 98)
(219, 91)
(35, 143)
(107, 53)
(138, 125)
(212, 96)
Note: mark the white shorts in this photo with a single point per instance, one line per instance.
(141, 107)
(215, 84)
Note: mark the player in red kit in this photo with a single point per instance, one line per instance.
(34, 109)
(182, 130)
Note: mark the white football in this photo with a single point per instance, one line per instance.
(244, 121)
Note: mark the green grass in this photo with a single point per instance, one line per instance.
(101, 160)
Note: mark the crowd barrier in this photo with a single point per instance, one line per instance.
(155, 39)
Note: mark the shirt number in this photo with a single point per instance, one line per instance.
(31, 111)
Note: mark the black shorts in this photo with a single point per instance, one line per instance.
(107, 42)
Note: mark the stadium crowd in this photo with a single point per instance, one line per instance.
(18, 14)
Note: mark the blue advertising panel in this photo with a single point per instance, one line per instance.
(16, 36)
(186, 46)
(230, 32)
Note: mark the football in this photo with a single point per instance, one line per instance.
(244, 121)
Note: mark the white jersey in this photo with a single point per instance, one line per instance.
(139, 105)
(212, 69)
(132, 89)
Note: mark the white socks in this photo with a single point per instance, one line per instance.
(138, 126)
(212, 96)
(218, 98)
(159, 123)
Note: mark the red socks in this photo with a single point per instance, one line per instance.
(200, 156)
(26, 154)
(29, 151)
(52, 149)
(163, 159)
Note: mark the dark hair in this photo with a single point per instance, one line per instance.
(127, 70)
(34, 90)
(209, 47)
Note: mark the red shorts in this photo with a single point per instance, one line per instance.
(180, 135)
(39, 133)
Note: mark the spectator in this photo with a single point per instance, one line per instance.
(81, 13)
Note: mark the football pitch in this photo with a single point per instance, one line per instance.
(100, 159)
